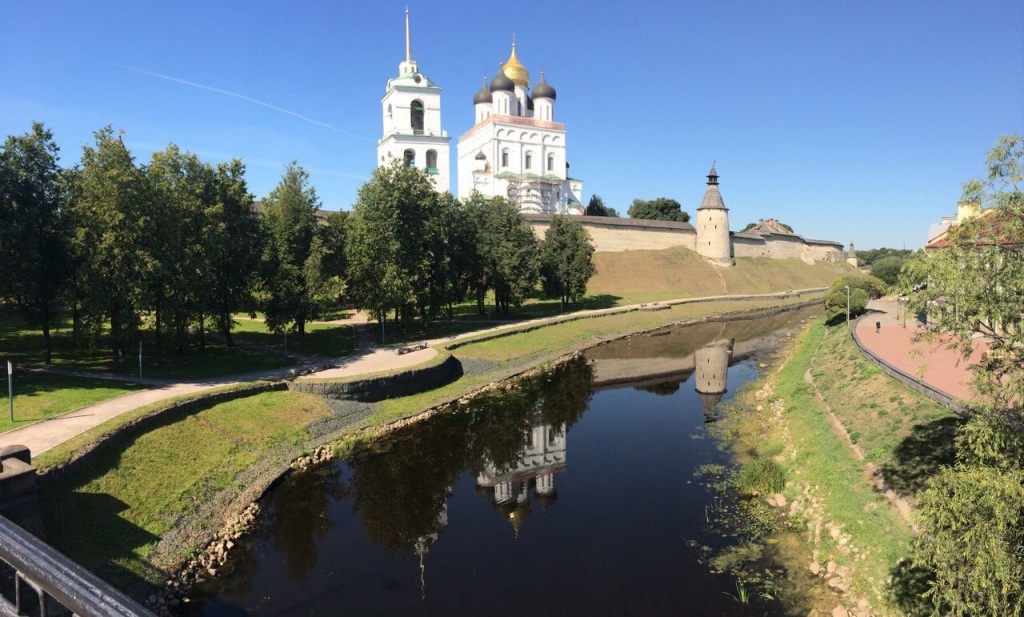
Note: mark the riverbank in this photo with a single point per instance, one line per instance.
(197, 501)
(853, 448)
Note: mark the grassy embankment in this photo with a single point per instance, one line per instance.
(110, 518)
(841, 515)
(192, 459)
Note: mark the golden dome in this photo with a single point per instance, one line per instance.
(515, 70)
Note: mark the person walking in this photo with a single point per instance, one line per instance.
(878, 327)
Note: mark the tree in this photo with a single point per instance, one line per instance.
(596, 207)
(234, 239)
(862, 288)
(566, 257)
(509, 252)
(888, 269)
(869, 257)
(971, 517)
(396, 244)
(34, 235)
(293, 255)
(660, 209)
(179, 277)
(112, 213)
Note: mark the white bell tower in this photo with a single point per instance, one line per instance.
(412, 122)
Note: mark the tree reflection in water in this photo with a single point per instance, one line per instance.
(400, 486)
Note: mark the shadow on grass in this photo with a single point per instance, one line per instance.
(467, 319)
(922, 453)
(90, 529)
(909, 584)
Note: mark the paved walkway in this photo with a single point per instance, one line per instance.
(367, 358)
(932, 363)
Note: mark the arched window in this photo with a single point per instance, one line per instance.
(410, 158)
(529, 160)
(551, 162)
(431, 161)
(416, 115)
(389, 111)
(504, 158)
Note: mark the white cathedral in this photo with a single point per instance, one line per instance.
(515, 149)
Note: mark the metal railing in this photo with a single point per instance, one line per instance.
(48, 583)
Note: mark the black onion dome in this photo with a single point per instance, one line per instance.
(501, 82)
(543, 89)
(483, 96)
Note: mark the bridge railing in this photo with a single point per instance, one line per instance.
(46, 583)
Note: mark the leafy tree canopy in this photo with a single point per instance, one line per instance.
(972, 523)
(867, 258)
(862, 288)
(660, 209)
(888, 268)
(566, 259)
(596, 207)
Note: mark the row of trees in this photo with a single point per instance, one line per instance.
(178, 246)
(175, 244)
(660, 209)
(414, 252)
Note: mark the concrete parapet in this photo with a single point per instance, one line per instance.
(19, 490)
(443, 369)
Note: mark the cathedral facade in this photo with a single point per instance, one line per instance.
(514, 150)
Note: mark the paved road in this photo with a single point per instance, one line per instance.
(932, 363)
(42, 436)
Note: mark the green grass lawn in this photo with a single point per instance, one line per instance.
(24, 346)
(323, 339)
(38, 396)
(109, 517)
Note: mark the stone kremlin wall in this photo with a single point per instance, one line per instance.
(622, 234)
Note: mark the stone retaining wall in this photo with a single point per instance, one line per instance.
(372, 389)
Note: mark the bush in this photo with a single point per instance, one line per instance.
(862, 288)
(972, 539)
(760, 476)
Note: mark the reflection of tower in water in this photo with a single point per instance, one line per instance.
(543, 456)
(424, 542)
(712, 367)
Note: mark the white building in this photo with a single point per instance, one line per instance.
(412, 121)
(516, 149)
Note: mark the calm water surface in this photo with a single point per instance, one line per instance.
(573, 494)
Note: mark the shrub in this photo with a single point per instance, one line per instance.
(760, 476)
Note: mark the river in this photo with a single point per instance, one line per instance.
(576, 492)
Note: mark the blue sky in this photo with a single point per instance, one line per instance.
(847, 120)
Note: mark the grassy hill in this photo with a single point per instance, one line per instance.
(646, 276)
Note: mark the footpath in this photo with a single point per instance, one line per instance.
(931, 363)
(366, 359)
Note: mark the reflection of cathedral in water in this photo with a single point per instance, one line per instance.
(543, 456)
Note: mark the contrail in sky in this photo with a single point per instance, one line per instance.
(240, 96)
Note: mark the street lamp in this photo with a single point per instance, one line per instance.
(847, 287)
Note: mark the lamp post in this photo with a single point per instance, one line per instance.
(847, 287)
